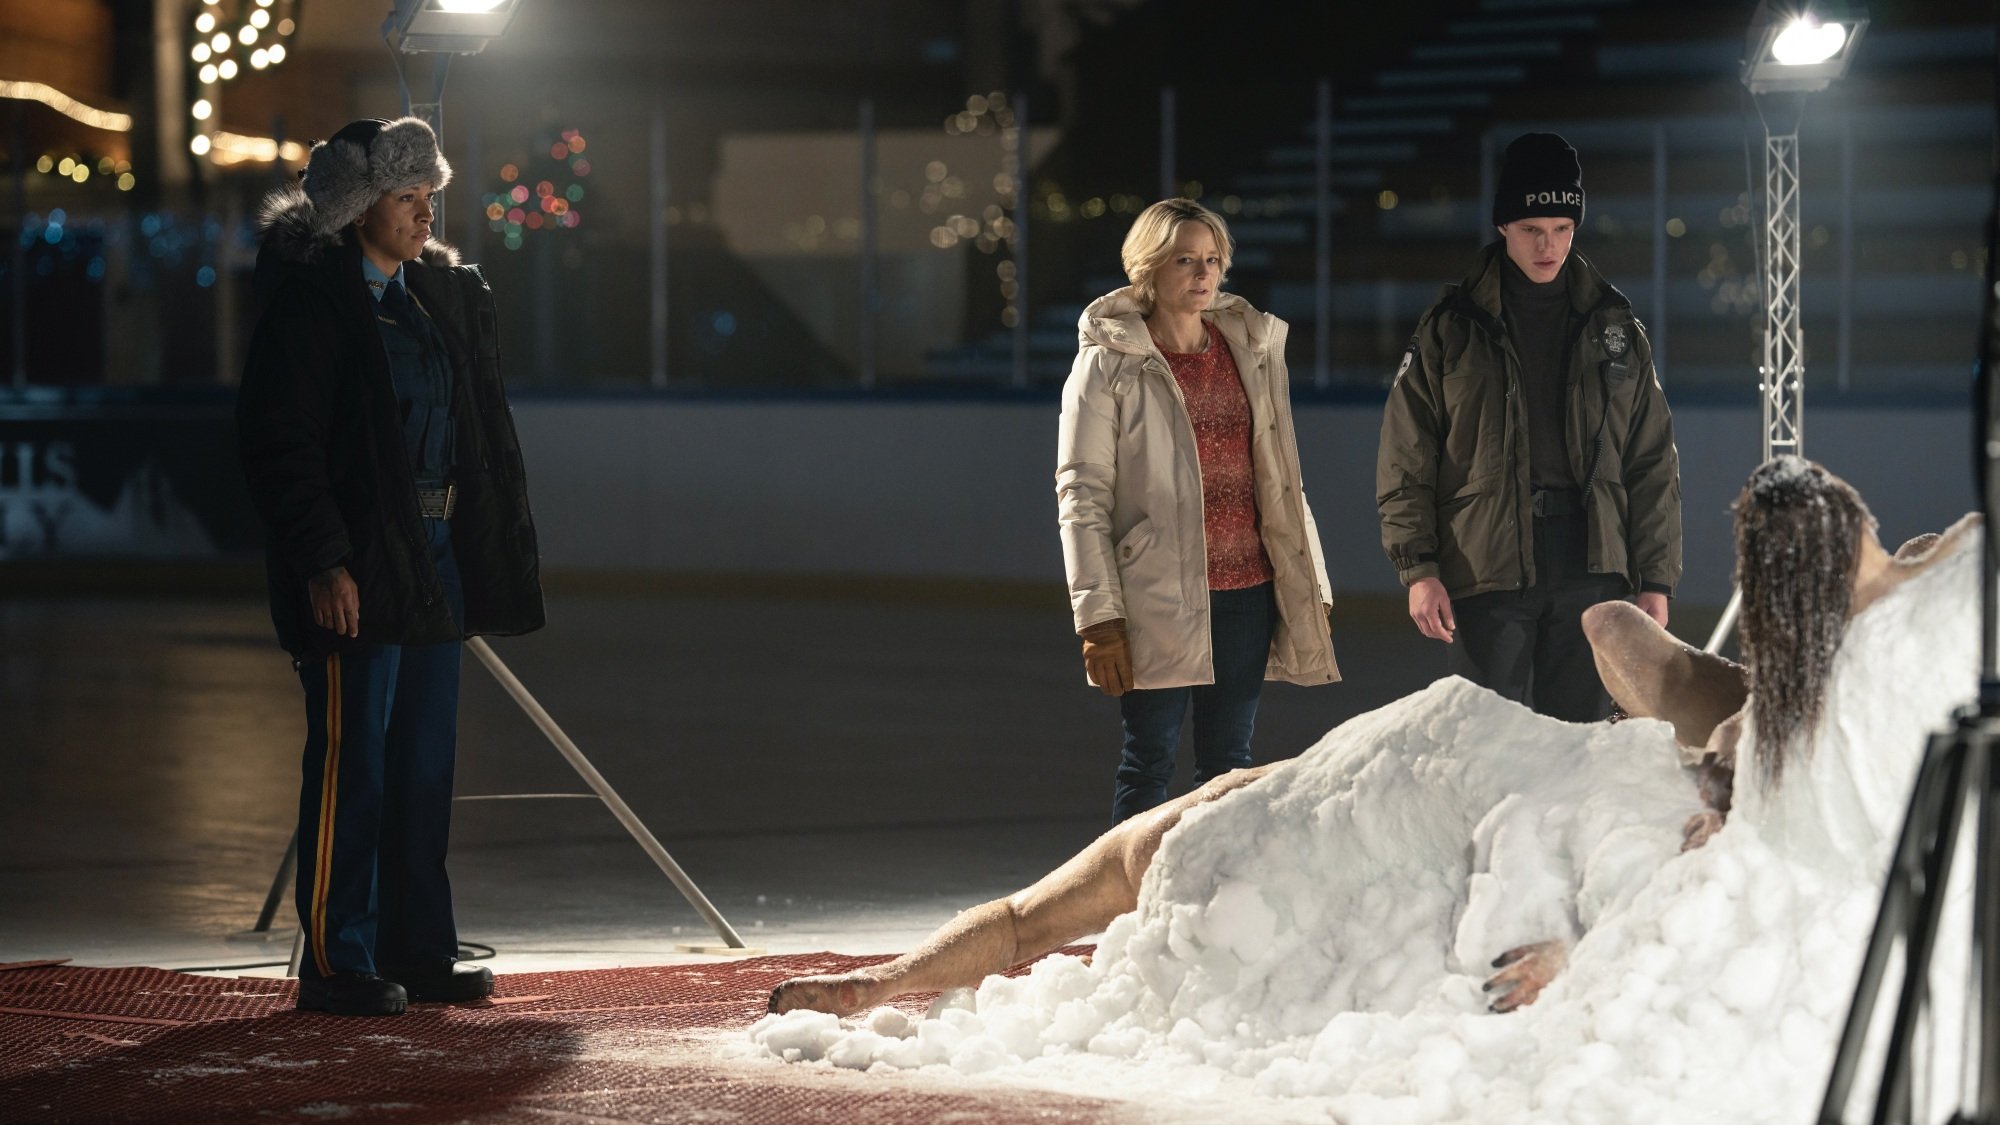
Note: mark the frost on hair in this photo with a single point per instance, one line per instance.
(1798, 538)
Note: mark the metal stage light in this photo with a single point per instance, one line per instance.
(441, 29)
(451, 27)
(1792, 49)
(1797, 49)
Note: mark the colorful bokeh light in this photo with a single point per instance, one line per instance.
(534, 195)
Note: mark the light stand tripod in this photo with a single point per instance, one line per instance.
(600, 789)
(1957, 768)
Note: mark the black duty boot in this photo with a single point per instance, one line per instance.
(352, 994)
(444, 982)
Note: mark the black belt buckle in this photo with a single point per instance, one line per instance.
(1555, 502)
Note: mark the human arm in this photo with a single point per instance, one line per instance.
(1406, 463)
(1651, 473)
(284, 423)
(1086, 483)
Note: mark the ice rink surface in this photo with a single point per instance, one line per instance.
(836, 773)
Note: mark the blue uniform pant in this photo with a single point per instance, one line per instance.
(375, 807)
(1240, 623)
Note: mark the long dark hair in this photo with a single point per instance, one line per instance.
(1798, 540)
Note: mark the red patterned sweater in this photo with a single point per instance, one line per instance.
(1220, 412)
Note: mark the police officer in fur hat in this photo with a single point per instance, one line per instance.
(380, 452)
(1527, 467)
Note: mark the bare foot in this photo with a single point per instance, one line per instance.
(841, 995)
(1524, 971)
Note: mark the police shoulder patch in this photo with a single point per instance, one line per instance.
(1409, 354)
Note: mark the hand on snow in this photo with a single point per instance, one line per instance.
(1107, 657)
(1524, 971)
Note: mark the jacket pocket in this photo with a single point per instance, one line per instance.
(1148, 577)
(1469, 529)
(1134, 542)
(1461, 499)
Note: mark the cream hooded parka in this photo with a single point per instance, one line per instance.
(1128, 489)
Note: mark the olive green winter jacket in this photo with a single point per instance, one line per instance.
(1451, 474)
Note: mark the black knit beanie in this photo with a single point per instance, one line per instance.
(1539, 178)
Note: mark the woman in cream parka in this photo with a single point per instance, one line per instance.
(1194, 567)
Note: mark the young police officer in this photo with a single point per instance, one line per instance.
(1527, 466)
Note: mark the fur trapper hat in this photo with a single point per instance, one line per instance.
(348, 172)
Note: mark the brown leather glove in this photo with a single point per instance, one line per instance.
(1107, 656)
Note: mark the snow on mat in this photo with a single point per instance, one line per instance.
(85, 1044)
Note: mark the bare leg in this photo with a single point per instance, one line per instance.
(1081, 897)
(1652, 675)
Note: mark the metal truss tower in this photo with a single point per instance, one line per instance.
(1783, 372)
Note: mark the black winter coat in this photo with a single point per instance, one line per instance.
(321, 441)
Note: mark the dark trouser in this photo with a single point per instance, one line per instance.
(375, 808)
(1528, 645)
(1240, 624)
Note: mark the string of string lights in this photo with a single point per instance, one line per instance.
(255, 30)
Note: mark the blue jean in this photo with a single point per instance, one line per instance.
(1240, 624)
(375, 806)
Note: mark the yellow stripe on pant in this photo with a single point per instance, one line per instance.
(328, 785)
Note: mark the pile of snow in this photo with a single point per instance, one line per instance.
(1324, 934)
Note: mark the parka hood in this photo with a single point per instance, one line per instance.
(1115, 321)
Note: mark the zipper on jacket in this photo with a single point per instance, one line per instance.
(430, 580)
(1157, 363)
(1522, 529)
(1604, 407)
(1502, 339)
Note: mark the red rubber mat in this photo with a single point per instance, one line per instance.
(82, 1044)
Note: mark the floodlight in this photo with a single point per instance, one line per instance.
(1798, 46)
(1805, 43)
(454, 27)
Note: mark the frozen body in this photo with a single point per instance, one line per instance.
(1323, 932)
